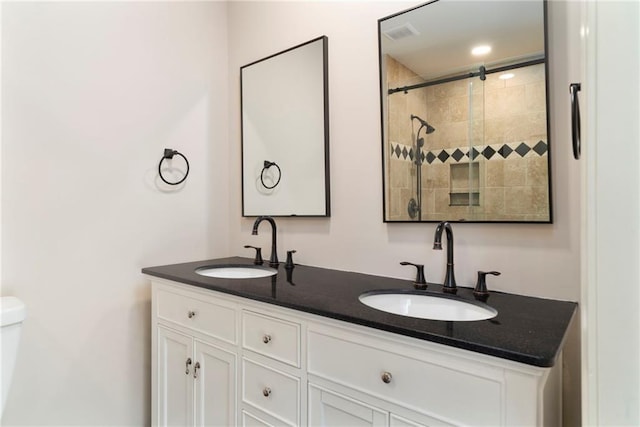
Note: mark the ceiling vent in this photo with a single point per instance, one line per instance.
(401, 32)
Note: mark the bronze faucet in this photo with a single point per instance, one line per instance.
(449, 285)
(273, 260)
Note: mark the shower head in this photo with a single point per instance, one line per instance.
(430, 129)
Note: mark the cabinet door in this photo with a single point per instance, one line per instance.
(250, 420)
(398, 421)
(215, 384)
(175, 378)
(327, 408)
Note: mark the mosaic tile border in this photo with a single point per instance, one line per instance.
(516, 150)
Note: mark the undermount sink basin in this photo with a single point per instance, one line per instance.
(247, 271)
(428, 306)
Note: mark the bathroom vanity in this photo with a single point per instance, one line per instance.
(298, 348)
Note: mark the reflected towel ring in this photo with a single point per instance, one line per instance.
(267, 165)
(168, 154)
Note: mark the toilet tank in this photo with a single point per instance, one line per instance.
(12, 313)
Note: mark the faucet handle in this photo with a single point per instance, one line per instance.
(420, 282)
(481, 292)
(258, 260)
(289, 264)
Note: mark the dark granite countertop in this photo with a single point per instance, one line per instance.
(527, 329)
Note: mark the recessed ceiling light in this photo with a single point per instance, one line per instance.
(507, 76)
(481, 50)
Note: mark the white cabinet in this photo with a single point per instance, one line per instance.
(175, 384)
(271, 361)
(194, 381)
(328, 408)
(215, 383)
(332, 408)
(250, 420)
(430, 383)
(273, 337)
(271, 391)
(225, 360)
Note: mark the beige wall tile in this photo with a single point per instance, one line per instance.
(495, 130)
(526, 75)
(393, 203)
(441, 199)
(493, 200)
(458, 108)
(451, 89)
(537, 171)
(535, 97)
(437, 112)
(493, 82)
(538, 129)
(428, 201)
(539, 200)
(428, 178)
(453, 133)
(437, 175)
(505, 102)
(515, 172)
(504, 111)
(399, 174)
(494, 173)
(526, 200)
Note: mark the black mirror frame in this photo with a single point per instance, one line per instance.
(325, 72)
(383, 94)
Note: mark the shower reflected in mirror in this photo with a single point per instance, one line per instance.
(414, 209)
(464, 110)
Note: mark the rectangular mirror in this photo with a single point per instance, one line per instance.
(285, 133)
(465, 129)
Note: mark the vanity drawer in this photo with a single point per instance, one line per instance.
(274, 392)
(413, 382)
(272, 337)
(198, 314)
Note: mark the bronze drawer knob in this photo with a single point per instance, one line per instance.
(386, 377)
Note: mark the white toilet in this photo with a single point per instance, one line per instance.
(12, 313)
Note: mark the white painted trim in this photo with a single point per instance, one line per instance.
(611, 217)
(1, 6)
(588, 303)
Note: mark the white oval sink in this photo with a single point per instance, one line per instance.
(236, 271)
(428, 306)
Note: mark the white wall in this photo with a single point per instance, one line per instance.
(539, 260)
(92, 94)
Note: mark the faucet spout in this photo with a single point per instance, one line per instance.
(273, 259)
(450, 278)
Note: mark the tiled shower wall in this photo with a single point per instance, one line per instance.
(401, 170)
(501, 124)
